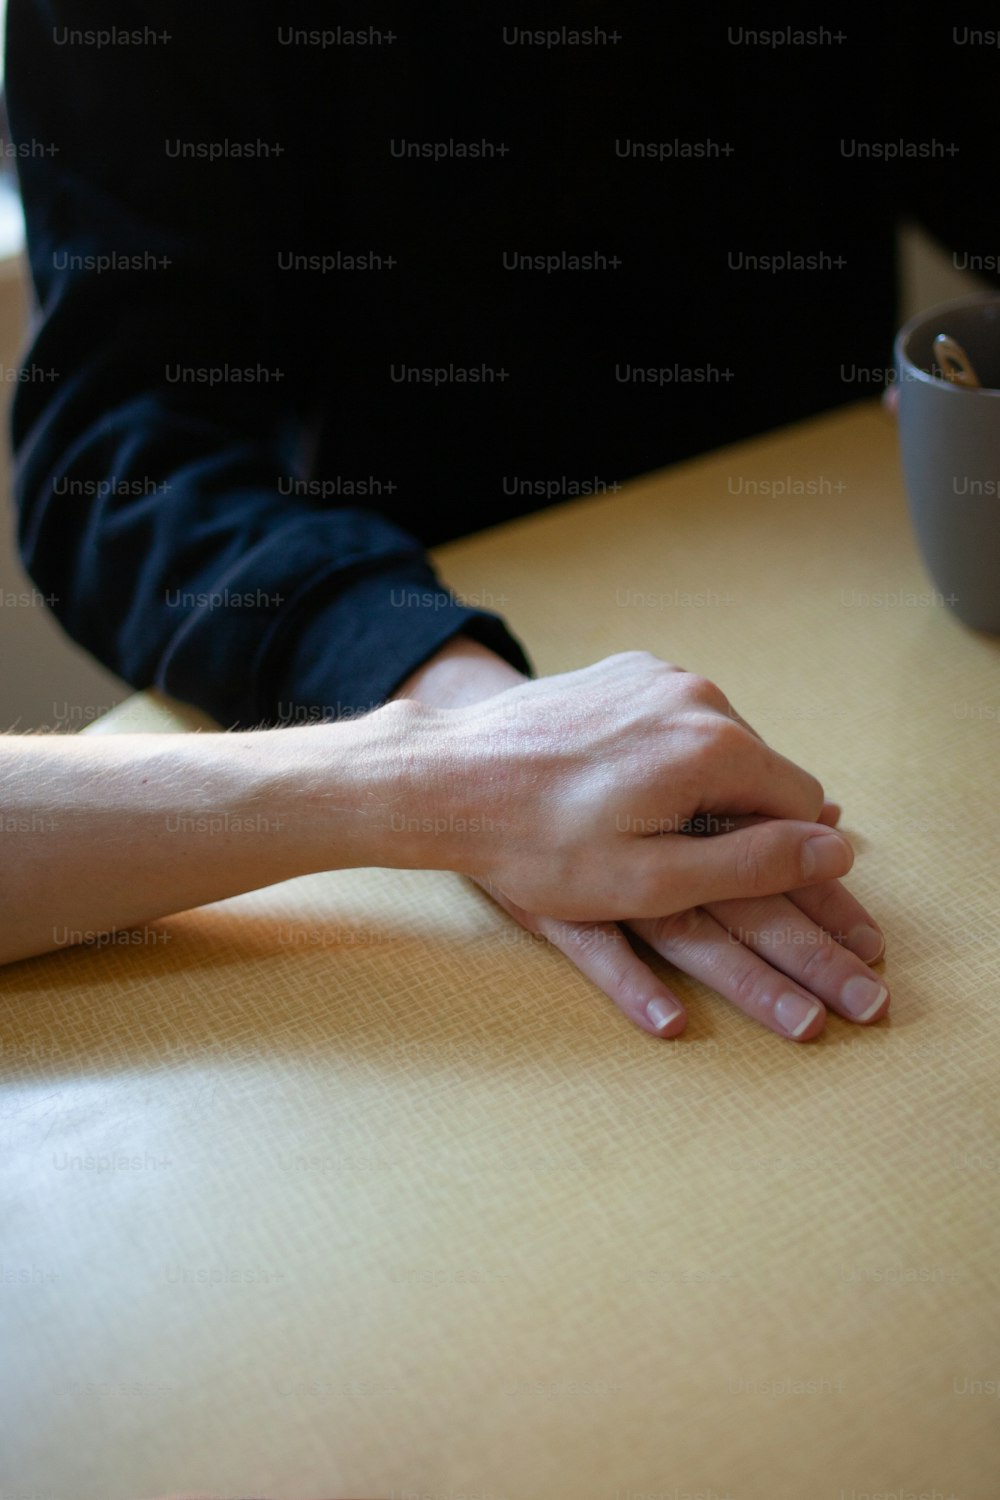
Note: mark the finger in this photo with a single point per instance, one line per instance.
(780, 932)
(828, 814)
(604, 955)
(672, 872)
(830, 811)
(696, 943)
(834, 908)
(753, 778)
(890, 399)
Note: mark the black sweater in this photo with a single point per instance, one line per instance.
(311, 299)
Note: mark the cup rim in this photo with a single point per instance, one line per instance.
(940, 309)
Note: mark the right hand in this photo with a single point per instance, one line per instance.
(572, 796)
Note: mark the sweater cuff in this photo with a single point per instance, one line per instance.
(347, 650)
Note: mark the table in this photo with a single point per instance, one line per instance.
(349, 1187)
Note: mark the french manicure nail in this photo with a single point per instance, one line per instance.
(867, 942)
(795, 1014)
(824, 856)
(661, 1012)
(862, 997)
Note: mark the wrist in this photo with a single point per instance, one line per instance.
(462, 672)
(361, 793)
(391, 788)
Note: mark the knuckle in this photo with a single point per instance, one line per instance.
(725, 737)
(744, 989)
(649, 662)
(752, 861)
(636, 658)
(825, 906)
(764, 862)
(675, 930)
(601, 951)
(620, 985)
(714, 742)
(820, 965)
(597, 940)
(705, 691)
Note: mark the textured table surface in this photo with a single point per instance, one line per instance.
(349, 1187)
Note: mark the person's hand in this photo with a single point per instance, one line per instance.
(575, 796)
(746, 950)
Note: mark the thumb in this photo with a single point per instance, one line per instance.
(767, 859)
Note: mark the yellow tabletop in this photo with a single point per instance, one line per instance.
(349, 1187)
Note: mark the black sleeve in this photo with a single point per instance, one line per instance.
(164, 390)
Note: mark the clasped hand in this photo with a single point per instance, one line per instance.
(583, 790)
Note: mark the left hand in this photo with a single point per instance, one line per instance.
(747, 951)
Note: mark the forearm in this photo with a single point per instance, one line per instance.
(108, 832)
(101, 833)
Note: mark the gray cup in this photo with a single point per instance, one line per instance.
(950, 442)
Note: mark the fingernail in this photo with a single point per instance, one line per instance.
(862, 997)
(795, 1014)
(866, 941)
(824, 856)
(662, 1012)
